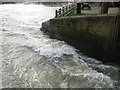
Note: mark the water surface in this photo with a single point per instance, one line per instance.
(31, 59)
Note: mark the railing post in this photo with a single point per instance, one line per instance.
(69, 7)
(66, 8)
(78, 8)
(59, 12)
(63, 10)
(56, 13)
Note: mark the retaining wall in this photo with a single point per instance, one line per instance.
(95, 36)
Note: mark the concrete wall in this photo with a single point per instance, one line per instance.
(95, 36)
(114, 10)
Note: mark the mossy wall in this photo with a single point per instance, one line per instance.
(95, 36)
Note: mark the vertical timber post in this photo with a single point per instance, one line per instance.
(60, 12)
(78, 8)
(56, 13)
(104, 7)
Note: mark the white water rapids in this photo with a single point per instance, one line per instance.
(31, 59)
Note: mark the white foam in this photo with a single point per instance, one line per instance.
(32, 59)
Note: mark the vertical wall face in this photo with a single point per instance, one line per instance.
(94, 36)
(118, 38)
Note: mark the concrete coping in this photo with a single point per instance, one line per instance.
(72, 17)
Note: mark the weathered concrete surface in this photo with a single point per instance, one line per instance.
(114, 10)
(95, 36)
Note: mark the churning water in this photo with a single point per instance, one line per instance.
(31, 59)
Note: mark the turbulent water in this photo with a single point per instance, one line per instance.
(31, 59)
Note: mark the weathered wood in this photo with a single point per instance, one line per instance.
(63, 10)
(104, 8)
(59, 12)
(56, 13)
(78, 8)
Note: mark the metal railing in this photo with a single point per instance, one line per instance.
(65, 10)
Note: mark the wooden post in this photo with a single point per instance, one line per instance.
(78, 8)
(56, 13)
(69, 7)
(104, 7)
(66, 8)
(60, 12)
(63, 10)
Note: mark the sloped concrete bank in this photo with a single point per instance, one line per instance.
(95, 36)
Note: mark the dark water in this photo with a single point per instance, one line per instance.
(30, 59)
